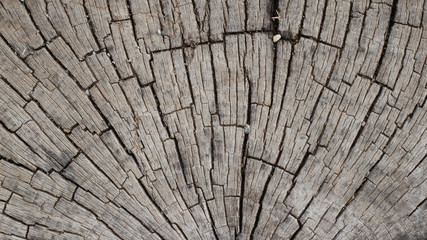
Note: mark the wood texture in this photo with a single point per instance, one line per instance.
(166, 119)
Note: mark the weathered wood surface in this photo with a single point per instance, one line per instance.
(166, 119)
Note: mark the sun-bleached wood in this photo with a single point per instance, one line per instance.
(220, 119)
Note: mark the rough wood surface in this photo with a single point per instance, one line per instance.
(167, 119)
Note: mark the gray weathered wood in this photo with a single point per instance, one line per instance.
(166, 119)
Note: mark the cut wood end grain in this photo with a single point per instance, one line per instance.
(131, 119)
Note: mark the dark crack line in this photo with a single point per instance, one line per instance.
(417, 207)
(272, 171)
(387, 36)
(90, 25)
(390, 25)
(370, 110)
(159, 209)
(244, 157)
(149, 228)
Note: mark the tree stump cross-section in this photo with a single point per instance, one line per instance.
(220, 119)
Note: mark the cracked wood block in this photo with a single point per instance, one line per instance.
(18, 29)
(15, 72)
(166, 119)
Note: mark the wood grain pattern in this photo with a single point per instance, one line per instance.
(166, 119)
